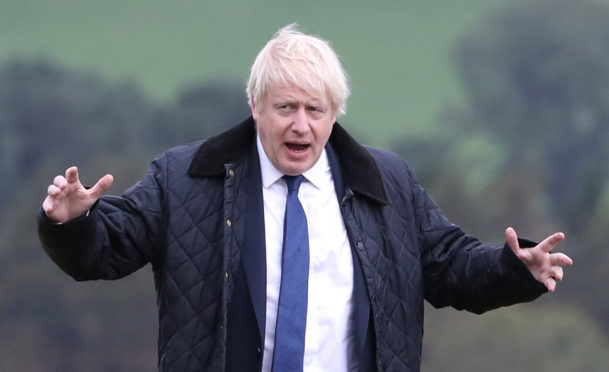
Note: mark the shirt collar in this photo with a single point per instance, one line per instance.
(270, 174)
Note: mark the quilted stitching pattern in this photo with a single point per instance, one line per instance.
(411, 253)
(392, 269)
(182, 223)
(192, 230)
(192, 277)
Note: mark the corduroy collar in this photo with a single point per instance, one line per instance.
(360, 172)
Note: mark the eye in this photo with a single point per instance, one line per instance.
(316, 111)
(283, 108)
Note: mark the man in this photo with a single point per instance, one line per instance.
(253, 276)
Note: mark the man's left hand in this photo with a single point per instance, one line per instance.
(545, 266)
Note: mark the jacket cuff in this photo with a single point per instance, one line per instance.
(533, 286)
(43, 219)
(65, 243)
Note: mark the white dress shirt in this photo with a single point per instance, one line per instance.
(329, 333)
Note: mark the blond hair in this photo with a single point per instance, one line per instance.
(294, 58)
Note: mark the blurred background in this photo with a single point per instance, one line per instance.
(501, 106)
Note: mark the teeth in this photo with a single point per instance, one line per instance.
(297, 147)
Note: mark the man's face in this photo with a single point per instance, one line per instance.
(293, 127)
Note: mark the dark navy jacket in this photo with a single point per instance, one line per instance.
(196, 217)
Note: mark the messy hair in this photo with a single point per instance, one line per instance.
(294, 58)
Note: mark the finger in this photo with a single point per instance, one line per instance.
(47, 205)
(557, 273)
(72, 174)
(53, 190)
(550, 284)
(60, 182)
(560, 259)
(102, 185)
(511, 239)
(551, 241)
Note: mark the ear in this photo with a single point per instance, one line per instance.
(254, 111)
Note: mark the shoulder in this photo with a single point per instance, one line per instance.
(398, 178)
(390, 164)
(178, 156)
(385, 157)
(171, 164)
(184, 152)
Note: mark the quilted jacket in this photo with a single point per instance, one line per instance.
(185, 217)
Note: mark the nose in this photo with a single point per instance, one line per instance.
(301, 122)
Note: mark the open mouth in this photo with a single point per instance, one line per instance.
(297, 147)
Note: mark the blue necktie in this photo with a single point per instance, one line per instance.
(288, 352)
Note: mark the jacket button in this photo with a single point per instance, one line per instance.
(360, 245)
(231, 172)
(229, 223)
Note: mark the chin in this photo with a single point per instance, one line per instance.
(295, 171)
(294, 167)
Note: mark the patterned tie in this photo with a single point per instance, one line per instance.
(288, 352)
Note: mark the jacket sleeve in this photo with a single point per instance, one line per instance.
(463, 272)
(118, 235)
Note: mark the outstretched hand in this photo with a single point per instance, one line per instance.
(67, 198)
(546, 267)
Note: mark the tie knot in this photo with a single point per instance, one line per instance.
(293, 182)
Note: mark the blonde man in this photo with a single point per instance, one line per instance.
(212, 218)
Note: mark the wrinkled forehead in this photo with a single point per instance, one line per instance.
(294, 92)
(298, 84)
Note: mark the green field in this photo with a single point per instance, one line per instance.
(397, 53)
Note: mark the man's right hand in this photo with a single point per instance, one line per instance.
(67, 198)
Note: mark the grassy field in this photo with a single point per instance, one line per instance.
(397, 53)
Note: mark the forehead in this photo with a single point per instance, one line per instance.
(293, 93)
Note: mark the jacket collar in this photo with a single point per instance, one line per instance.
(359, 170)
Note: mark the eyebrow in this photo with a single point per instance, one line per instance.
(311, 102)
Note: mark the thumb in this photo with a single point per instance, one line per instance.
(102, 185)
(511, 239)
